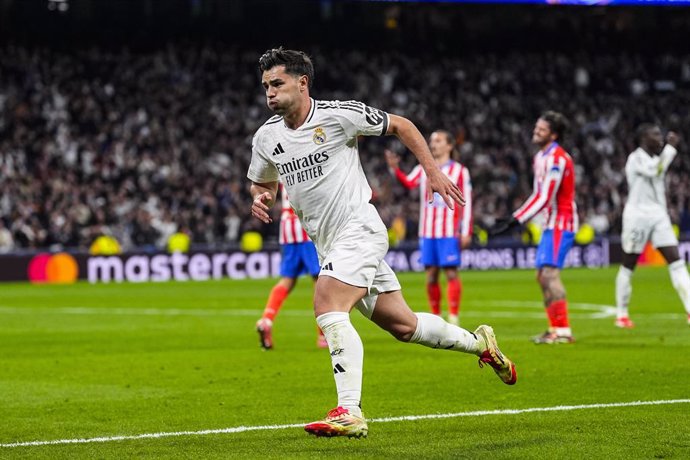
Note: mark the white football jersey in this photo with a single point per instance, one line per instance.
(646, 174)
(319, 165)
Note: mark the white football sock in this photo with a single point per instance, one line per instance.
(432, 331)
(623, 291)
(681, 281)
(347, 357)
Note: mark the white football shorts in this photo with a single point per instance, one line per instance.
(356, 257)
(639, 228)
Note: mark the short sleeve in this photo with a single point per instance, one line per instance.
(359, 119)
(261, 169)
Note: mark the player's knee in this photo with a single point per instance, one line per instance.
(451, 274)
(432, 276)
(402, 332)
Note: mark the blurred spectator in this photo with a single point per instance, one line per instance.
(139, 145)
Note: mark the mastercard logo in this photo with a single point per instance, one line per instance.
(58, 268)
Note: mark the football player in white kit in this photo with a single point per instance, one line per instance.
(645, 217)
(311, 146)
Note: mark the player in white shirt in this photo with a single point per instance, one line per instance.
(442, 231)
(645, 217)
(311, 146)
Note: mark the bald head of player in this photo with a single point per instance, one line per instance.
(650, 138)
(550, 127)
(286, 76)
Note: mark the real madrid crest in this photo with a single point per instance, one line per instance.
(319, 136)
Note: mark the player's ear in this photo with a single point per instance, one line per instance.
(303, 83)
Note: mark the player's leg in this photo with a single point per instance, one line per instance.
(333, 300)
(556, 305)
(320, 338)
(624, 290)
(454, 294)
(290, 269)
(310, 260)
(551, 254)
(433, 289)
(429, 258)
(264, 326)
(636, 232)
(679, 275)
(390, 312)
(664, 239)
(450, 260)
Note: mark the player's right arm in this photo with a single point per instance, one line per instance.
(543, 193)
(360, 120)
(264, 176)
(263, 199)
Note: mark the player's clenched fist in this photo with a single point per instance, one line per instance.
(261, 206)
(672, 138)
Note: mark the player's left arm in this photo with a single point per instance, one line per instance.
(263, 199)
(669, 152)
(437, 182)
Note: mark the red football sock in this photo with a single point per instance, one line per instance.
(433, 291)
(558, 313)
(454, 294)
(275, 301)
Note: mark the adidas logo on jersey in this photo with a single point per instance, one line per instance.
(278, 150)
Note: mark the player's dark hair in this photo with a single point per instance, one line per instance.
(449, 137)
(296, 62)
(454, 154)
(558, 124)
(642, 131)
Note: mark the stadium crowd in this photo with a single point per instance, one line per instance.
(140, 145)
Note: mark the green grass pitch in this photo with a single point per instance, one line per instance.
(87, 361)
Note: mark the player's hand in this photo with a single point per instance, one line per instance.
(673, 139)
(503, 225)
(439, 183)
(260, 207)
(465, 241)
(392, 159)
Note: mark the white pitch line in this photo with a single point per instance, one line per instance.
(404, 418)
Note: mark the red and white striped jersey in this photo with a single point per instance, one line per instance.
(436, 220)
(291, 230)
(554, 190)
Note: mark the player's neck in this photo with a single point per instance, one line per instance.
(297, 118)
(545, 145)
(440, 161)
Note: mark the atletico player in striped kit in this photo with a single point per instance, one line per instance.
(554, 193)
(299, 257)
(439, 226)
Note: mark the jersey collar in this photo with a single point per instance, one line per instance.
(548, 150)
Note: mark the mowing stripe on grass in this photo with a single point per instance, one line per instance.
(588, 311)
(403, 418)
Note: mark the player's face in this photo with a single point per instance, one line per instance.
(542, 134)
(654, 141)
(282, 89)
(439, 145)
